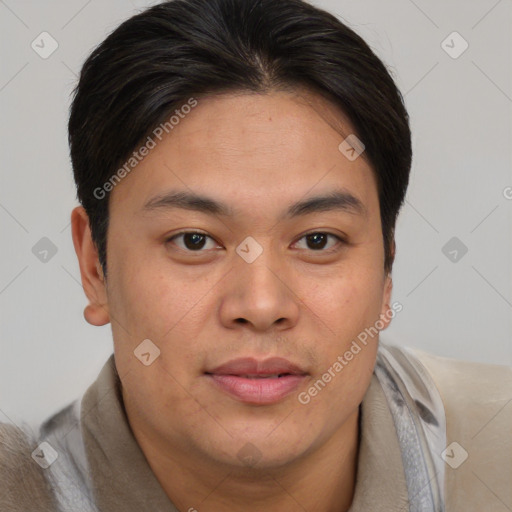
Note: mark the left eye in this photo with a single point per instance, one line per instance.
(319, 241)
(195, 241)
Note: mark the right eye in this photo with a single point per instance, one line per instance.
(192, 241)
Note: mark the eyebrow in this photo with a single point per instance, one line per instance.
(340, 200)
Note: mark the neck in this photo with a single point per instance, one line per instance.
(322, 480)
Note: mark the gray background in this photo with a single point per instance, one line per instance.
(460, 115)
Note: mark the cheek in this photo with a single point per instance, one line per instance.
(347, 304)
(149, 299)
(151, 304)
(155, 394)
(149, 308)
(347, 354)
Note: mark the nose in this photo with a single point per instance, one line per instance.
(260, 294)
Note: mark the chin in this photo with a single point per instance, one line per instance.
(261, 450)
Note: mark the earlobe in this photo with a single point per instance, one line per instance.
(93, 280)
(96, 314)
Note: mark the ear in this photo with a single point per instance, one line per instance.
(385, 315)
(93, 280)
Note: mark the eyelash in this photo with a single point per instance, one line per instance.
(340, 240)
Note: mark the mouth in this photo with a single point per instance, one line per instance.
(257, 382)
(273, 376)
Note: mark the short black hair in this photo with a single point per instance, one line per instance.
(159, 59)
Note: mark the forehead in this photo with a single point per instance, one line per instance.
(258, 148)
(284, 125)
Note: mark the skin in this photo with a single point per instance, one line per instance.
(258, 154)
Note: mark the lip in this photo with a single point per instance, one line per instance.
(255, 381)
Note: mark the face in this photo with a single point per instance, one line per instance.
(245, 235)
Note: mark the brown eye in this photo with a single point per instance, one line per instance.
(192, 241)
(318, 241)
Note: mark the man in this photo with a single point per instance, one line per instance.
(240, 166)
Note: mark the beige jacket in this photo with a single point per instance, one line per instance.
(100, 467)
